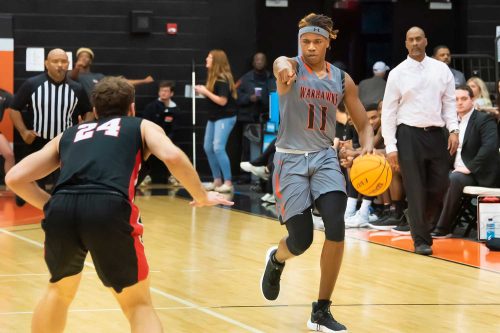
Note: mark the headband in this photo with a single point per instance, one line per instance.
(315, 30)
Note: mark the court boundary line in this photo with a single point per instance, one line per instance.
(431, 256)
(385, 245)
(156, 291)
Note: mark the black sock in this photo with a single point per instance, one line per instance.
(274, 260)
(322, 304)
(399, 205)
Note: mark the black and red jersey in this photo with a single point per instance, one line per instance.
(102, 154)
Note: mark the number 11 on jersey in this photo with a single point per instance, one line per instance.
(311, 114)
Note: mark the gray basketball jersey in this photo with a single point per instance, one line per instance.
(307, 111)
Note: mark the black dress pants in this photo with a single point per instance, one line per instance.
(424, 162)
(452, 199)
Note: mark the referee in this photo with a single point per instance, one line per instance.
(53, 102)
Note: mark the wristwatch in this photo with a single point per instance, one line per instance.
(455, 131)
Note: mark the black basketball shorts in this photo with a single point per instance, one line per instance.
(105, 224)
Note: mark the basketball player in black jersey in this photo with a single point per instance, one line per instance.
(92, 209)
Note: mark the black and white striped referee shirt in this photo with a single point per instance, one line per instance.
(55, 106)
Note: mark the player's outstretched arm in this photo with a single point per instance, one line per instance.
(358, 115)
(22, 177)
(158, 144)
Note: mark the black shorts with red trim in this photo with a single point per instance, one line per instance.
(103, 223)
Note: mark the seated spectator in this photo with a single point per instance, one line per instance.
(476, 161)
(495, 110)
(359, 218)
(263, 167)
(481, 95)
(392, 217)
(442, 53)
(341, 118)
(162, 111)
(371, 90)
(81, 71)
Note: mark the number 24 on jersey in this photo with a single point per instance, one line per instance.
(86, 131)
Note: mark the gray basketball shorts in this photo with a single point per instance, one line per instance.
(299, 179)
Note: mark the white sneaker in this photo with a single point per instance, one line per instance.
(318, 222)
(349, 214)
(268, 198)
(356, 221)
(259, 171)
(265, 197)
(147, 181)
(372, 218)
(224, 188)
(209, 186)
(172, 181)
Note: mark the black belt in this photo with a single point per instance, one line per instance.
(426, 129)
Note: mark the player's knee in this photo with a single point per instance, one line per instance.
(208, 147)
(218, 149)
(329, 206)
(299, 244)
(300, 233)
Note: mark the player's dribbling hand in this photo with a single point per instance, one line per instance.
(212, 199)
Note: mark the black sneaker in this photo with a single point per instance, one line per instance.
(20, 201)
(270, 281)
(437, 233)
(323, 321)
(385, 214)
(423, 249)
(387, 223)
(402, 228)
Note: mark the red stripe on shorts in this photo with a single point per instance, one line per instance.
(142, 263)
(279, 195)
(277, 180)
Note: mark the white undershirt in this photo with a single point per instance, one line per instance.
(462, 126)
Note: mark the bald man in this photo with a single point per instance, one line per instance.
(419, 103)
(49, 103)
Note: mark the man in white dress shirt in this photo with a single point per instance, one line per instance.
(419, 101)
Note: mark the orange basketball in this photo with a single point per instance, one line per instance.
(370, 175)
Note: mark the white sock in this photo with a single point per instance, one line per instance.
(364, 210)
(351, 206)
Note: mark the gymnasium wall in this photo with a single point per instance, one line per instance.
(481, 17)
(104, 26)
(370, 30)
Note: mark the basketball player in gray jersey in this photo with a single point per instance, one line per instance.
(307, 167)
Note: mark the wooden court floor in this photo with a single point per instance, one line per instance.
(206, 266)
